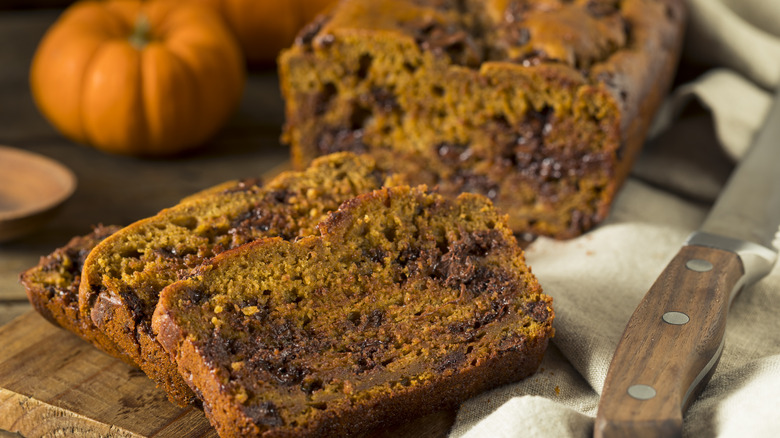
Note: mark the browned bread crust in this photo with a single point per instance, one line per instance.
(407, 303)
(52, 285)
(52, 288)
(124, 274)
(541, 105)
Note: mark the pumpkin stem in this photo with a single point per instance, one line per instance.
(140, 36)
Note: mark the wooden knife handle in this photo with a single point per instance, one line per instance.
(670, 346)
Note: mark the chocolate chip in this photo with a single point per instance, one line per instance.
(581, 220)
(194, 295)
(366, 353)
(323, 98)
(375, 318)
(310, 385)
(460, 267)
(537, 310)
(265, 413)
(408, 255)
(281, 196)
(364, 64)
(628, 30)
(376, 255)
(456, 43)
(385, 100)
(359, 117)
(136, 305)
(451, 361)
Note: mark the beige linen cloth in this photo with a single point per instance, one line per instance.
(598, 279)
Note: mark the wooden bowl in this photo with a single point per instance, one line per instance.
(32, 187)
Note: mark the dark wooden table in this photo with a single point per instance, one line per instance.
(119, 190)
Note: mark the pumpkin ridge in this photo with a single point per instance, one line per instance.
(202, 98)
(86, 136)
(197, 95)
(162, 69)
(123, 13)
(162, 20)
(110, 98)
(81, 133)
(113, 23)
(140, 109)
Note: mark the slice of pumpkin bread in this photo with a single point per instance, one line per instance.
(52, 288)
(407, 303)
(124, 274)
(52, 285)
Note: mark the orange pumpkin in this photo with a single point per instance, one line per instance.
(146, 78)
(264, 27)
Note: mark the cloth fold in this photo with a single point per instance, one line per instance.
(597, 280)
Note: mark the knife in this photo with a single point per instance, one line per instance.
(674, 339)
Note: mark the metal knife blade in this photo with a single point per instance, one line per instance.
(748, 208)
(674, 339)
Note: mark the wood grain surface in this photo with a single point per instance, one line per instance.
(669, 357)
(52, 383)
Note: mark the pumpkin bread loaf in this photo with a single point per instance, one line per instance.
(541, 105)
(124, 274)
(407, 303)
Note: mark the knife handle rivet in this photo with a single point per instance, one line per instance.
(641, 392)
(675, 318)
(698, 265)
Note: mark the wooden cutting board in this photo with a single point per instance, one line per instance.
(54, 384)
